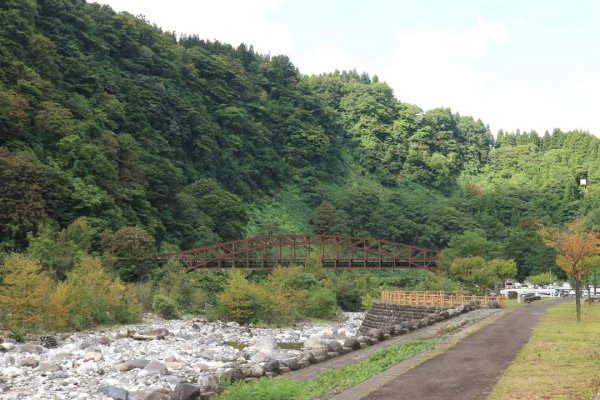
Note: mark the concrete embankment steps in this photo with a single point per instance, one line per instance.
(387, 314)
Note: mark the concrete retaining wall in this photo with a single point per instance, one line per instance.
(387, 314)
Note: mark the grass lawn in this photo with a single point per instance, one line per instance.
(561, 360)
(283, 388)
(512, 303)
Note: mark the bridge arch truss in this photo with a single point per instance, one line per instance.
(334, 252)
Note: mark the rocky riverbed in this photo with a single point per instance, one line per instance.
(150, 360)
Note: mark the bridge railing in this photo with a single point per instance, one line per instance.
(431, 298)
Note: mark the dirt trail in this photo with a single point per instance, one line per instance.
(467, 371)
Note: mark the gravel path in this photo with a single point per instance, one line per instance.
(467, 371)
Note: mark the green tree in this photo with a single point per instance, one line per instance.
(60, 251)
(226, 211)
(23, 198)
(327, 219)
(132, 252)
(545, 278)
(483, 275)
(467, 244)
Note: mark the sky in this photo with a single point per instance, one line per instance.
(514, 64)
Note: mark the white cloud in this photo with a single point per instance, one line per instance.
(229, 21)
(432, 67)
(437, 68)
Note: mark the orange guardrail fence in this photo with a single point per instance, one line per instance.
(434, 298)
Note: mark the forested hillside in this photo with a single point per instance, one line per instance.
(104, 116)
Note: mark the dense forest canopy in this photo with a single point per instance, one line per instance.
(104, 116)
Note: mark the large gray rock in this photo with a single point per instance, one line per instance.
(185, 391)
(352, 343)
(104, 341)
(174, 365)
(262, 356)
(309, 356)
(157, 394)
(233, 375)
(87, 344)
(114, 392)
(11, 372)
(201, 367)
(271, 366)
(207, 354)
(399, 330)
(376, 334)
(291, 363)
(461, 309)
(156, 368)
(46, 367)
(215, 338)
(124, 366)
(253, 371)
(493, 304)
(30, 348)
(89, 368)
(265, 343)
(334, 345)
(138, 363)
(92, 356)
(315, 342)
(29, 362)
(7, 346)
(433, 316)
(160, 332)
(59, 357)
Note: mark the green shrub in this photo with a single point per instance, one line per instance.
(183, 288)
(243, 301)
(144, 294)
(17, 334)
(165, 306)
(96, 298)
(321, 303)
(366, 302)
(292, 278)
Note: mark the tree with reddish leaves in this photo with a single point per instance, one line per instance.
(574, 246)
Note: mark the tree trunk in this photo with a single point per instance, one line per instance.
(578, 299)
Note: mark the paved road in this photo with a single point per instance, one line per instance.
(469, 370)
(429, 332)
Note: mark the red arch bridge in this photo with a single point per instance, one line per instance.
(334, 251)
